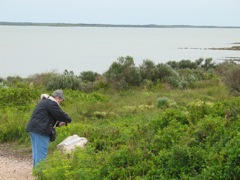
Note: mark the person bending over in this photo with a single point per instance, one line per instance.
(46, 115)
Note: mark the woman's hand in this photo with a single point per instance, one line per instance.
(62, 124)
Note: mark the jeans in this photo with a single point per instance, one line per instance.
(39, 147)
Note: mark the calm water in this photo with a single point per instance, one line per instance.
(28, 50)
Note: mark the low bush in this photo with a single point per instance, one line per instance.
(64, 81)
(17, 97)
(13, 125)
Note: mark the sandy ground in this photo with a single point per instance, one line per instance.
(15, 163)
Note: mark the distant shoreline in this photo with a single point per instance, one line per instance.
(108, 25)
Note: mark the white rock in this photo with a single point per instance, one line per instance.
(71, 142)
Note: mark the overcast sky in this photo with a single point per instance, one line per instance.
(160, 12)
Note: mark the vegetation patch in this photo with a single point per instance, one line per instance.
(178, 120)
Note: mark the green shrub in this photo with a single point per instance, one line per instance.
(40, 80)
(17, 97)
(123, 73)
(183, 64)
(198, 109)
(181, 162)
(232, 80)
(208, 64)
(162, 102)
(13, 125)
(148, 70)
(223, 68)
(222, 163)
(164, 71)
(165, 102)
(65, 81)
(88, 76)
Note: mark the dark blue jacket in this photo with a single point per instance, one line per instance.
(45, 115)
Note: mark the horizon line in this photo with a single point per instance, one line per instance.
(62, 24)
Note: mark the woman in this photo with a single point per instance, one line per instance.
(46, 115)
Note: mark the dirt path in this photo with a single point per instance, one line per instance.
(15, 163)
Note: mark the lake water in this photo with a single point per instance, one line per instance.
(27, 50)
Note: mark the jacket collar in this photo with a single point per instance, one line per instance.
(46, 96)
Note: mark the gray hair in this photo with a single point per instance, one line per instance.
(58, 93)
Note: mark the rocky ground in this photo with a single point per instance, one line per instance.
(15, 162)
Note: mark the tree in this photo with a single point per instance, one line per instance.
(123, 73)
(148, 70)
(173, 64)
(167, 74)
(164, 71)
(232, 79)
(64, 81)
(208, 64)
(183, 64)
(88, 76)
(199, 61)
